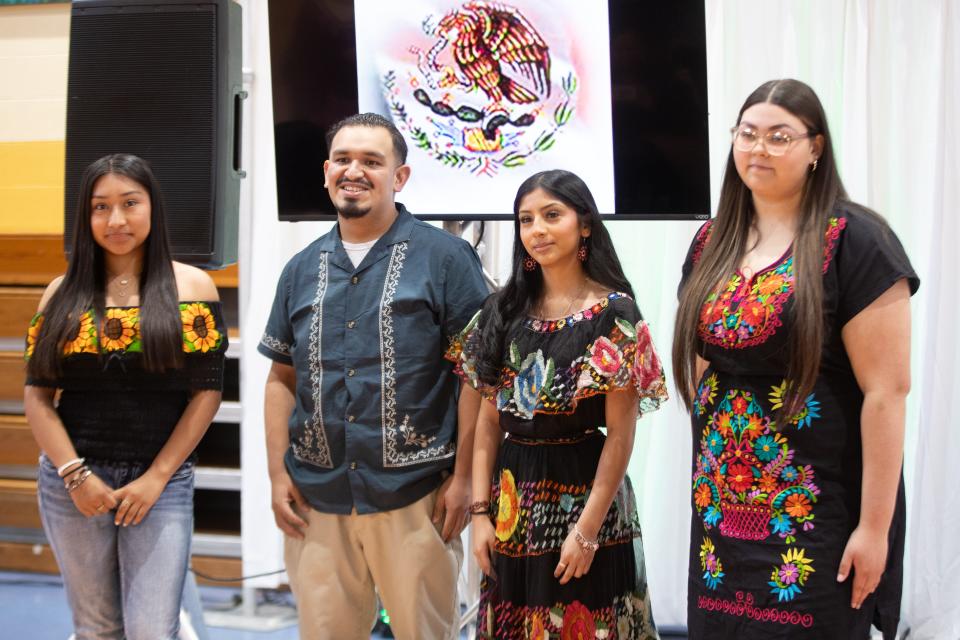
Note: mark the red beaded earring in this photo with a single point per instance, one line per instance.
(582, 252)
(529, 264)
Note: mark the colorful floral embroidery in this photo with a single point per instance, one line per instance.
(701, 240)
(32, 333)
(547, 326)
(787, 579)
(532, 517)
(711, 565)
(745, 482)
(121, 330)
(199, 328)
(805, 416)
(536, 629)
(86, 339)
(834, 227)
(577, 623)
(628, 618)
(533, 375)
(706, 394)
(535, 384)
(508, 509)
(746, 311)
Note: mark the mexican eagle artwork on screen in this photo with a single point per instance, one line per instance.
(481, 92)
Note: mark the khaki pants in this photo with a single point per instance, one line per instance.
(334, 570)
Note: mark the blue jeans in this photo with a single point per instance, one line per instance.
(121, 582)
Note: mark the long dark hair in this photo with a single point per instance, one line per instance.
(509, 306)
(822, 191)
(84, 285)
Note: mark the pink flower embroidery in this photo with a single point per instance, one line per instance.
(646, 365)
(605, 357)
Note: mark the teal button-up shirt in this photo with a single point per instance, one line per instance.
(375, 422)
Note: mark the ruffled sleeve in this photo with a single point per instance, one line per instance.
(623, 358)
(463, 354)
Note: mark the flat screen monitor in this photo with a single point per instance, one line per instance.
(487, 93)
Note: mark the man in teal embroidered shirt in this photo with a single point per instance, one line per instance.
(370, 470)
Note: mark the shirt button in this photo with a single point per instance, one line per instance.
(351, 324)
(354, 279)
(351, 372)
(351, 418)
(353, 466)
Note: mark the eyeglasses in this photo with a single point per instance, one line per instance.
(776, 143)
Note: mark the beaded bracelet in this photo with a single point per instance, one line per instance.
(62, 469)
(479, 508)
(585, 544)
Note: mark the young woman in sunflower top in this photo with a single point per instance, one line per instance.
(135, 343)
(560, 352)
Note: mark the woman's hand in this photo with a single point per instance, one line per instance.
(866, 554)
(484, 539)
(93, 497)
(138, 497)
(575, 560)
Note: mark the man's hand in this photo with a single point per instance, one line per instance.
(453, 498)
(284, 495)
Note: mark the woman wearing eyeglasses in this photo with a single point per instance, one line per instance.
(792, 352)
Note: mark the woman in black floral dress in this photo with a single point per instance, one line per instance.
(792, 353)
(561, 352)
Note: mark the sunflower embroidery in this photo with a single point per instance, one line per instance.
(199, 328)
(508, 508)
(32, 334)
(121, 329)
(86, 339)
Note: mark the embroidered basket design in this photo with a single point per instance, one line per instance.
(745, 521)
(747, 482)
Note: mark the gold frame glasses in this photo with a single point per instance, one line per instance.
(776, 142)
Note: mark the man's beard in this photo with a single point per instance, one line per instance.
(353, 210)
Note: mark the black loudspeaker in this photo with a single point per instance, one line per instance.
(161, 79)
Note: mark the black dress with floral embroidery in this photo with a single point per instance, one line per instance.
(774, 505)
(551, 405)
(112, 408)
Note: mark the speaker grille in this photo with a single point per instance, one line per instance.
(145, 82)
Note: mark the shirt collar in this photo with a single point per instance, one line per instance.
(399, 231)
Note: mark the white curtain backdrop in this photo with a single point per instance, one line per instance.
(888, 73)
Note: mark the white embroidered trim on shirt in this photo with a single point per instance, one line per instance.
(275, 345)
(405, 434)
(312, 447)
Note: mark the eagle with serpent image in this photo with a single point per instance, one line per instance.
(487, 94)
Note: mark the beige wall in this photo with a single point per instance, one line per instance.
(34, 44)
